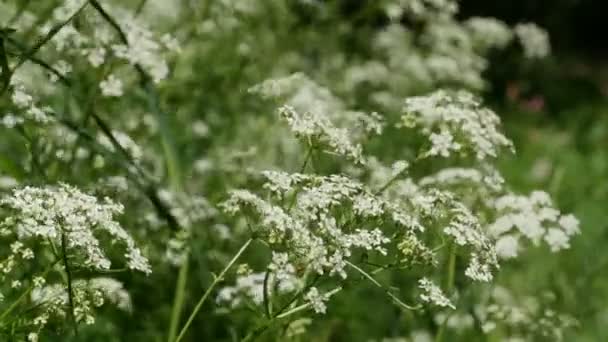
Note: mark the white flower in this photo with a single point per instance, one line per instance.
(317, 300)
(200, 129)
(431, 293)
(280, 266)
(311, 125)
(489, 32)
(463, 123)
(570, 224)
(171, 43)
(534, 40)
(315, 115)
(10, 121)
(125, 141)
(534, 217)
(477, 270)
(507, 247)
(65, 213)
(442, 144)
(111, 86)
(20, 98)
(557, 239)
(251, 286)
(113, 290)
(96, 56)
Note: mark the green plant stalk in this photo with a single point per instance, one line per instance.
(68, 273)
(219, 278)
(449, 286)
(179, 298)
(387, 291)
(267, 299)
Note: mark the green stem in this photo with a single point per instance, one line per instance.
(267, 300)
(259, 330)
(451, 269)
(219, 278)
(309, 156)
(449, 287)
(178, 301)
(387, 291)
(68, 274)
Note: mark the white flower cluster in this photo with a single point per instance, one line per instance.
(143, 48)
(318, 128)
(431, 293)
(489, 178)
(534, 218)
(429, 9)
(431, 205)
(64, 215)
(455, 123)
(53, 301)
(250, 288)
(188, 210)
(314, 115)
(525, 318)
(467, 231)
(317, 300)
(441, 50)
(318, 222)
(111, 86)
(125, 141)
(26, 108)
(534, 40)
(315, 237)
(99, 42)
(489, 32)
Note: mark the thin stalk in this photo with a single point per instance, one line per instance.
(306, 159)
(178, 301)
(387, 291)
(451, 269)
(267, 301)
(309, 156)
(259, 330)
(219, 278)
(68, 273)
(298, 295)
(449, 286)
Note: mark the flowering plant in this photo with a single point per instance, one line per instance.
(365, 170)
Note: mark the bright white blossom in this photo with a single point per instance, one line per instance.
(534, 40)
(111, 87)
(68, 217)
(455, 122)
(431, 293)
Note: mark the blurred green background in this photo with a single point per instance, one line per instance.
(559, 123)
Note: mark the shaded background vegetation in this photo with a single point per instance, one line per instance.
(562, 147)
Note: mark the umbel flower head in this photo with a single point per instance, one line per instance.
(455, 123)
(316, 116)
(63, 215)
